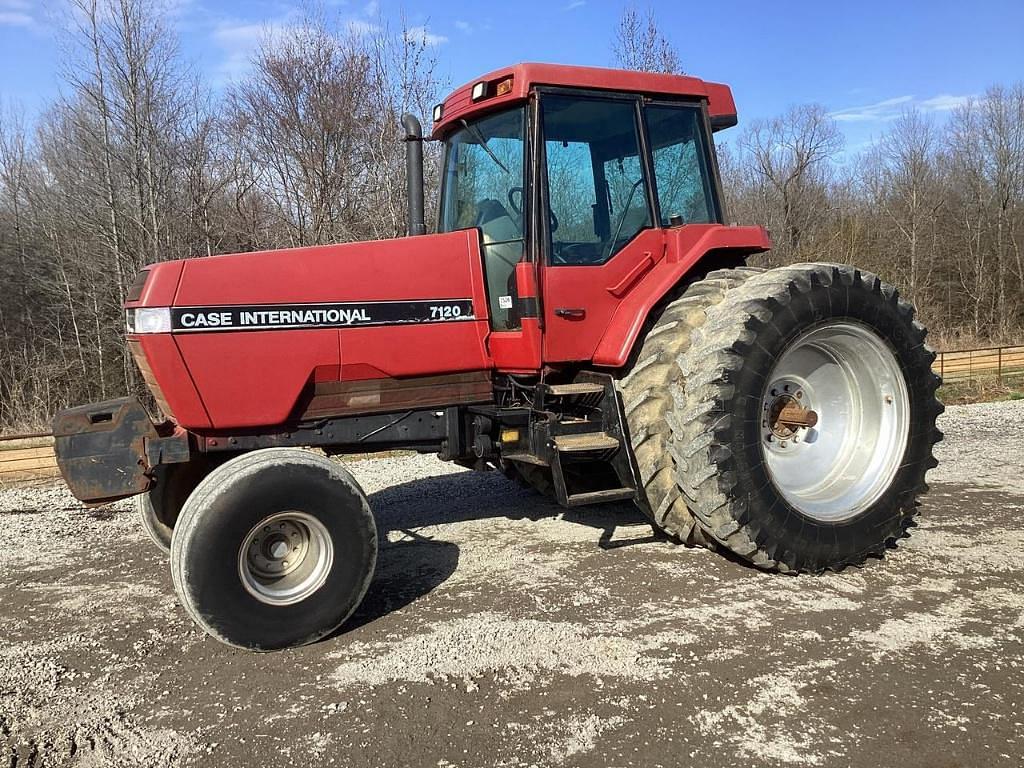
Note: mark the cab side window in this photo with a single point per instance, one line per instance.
(597, 189)
(680, 156)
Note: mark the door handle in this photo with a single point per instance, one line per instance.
(570, 313)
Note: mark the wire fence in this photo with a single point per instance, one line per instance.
(1004, 364)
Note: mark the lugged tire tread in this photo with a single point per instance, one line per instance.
(647, 399)
(703, 466)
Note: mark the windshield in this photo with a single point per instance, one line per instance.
(483, 187)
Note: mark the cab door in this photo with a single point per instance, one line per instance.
(486, 188)
(600, 232)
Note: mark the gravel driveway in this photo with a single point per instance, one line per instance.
(501, 630)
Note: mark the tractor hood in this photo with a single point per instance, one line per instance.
(242, 340)
(427, 267)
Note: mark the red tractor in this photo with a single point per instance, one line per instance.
(583, 320)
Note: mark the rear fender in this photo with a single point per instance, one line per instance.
(690, 252)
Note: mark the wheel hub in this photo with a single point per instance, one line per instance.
(277, 549)
(835, 419)
(788, 414)
(285, 558)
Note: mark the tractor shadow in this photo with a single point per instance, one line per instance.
(411, 565)
(470, 496)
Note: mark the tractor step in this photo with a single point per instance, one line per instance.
(585, 441)
(575, 388)
(525, 458)
(600, 497)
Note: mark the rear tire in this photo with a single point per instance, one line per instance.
(274, 549)
(807, 498)
(530, 476)
(646, 391)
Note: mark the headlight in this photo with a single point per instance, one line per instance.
(148, 320)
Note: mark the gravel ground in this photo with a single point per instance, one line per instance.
(503, 631)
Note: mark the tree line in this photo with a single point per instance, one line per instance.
(139, 161)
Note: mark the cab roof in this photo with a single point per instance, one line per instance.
(525, 76)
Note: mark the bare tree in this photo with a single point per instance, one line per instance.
(791, 156)
(902, 175)
(639, 44)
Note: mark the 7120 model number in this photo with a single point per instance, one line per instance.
(445, 311)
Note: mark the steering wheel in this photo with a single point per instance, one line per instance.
(518, 209)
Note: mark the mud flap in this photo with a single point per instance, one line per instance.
(106, 451)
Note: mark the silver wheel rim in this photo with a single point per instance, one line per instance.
(285, 558)
(835, 420)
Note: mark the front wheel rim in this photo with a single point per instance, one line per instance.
(285, 558)
(835, 417)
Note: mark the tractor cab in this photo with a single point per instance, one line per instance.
(570, 174)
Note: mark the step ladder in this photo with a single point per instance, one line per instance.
(590, 463)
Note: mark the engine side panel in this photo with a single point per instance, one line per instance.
(253, 366)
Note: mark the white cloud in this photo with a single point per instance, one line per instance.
(463, 26)
(372, 8)
(944, 103)
(890, 109)
(239, 40)
(880, 110)
(18, 13)
(360, 28)
(16, 19)
(422, 34)
(574, 4)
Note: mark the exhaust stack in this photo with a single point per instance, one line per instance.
(414, 173)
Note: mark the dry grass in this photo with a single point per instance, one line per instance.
(985, 389)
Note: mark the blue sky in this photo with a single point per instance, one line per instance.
(863, 61)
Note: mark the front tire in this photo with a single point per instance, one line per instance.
(807, 419)
(274, 549)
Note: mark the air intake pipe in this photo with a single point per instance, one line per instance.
(414, 173)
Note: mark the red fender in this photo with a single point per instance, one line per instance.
(685, 247)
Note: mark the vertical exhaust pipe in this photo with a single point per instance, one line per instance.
(414, 173)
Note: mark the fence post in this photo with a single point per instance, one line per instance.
(942, 364)
(999, 375)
